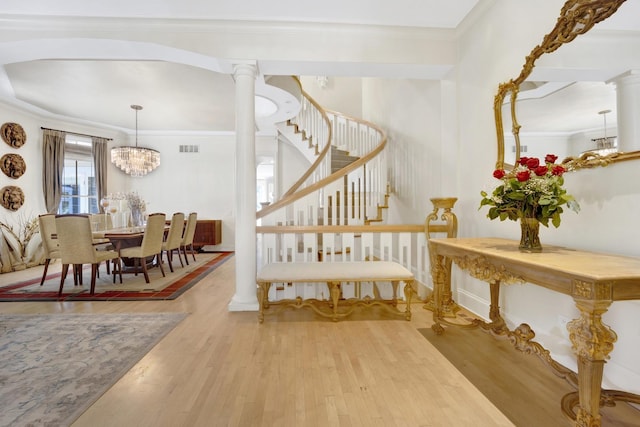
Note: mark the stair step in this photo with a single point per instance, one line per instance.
(338, 151)
(340, 159)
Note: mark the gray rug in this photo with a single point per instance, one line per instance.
(54, 366)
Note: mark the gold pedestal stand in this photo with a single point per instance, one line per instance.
(448, 226)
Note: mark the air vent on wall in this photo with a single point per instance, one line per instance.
(189, 148)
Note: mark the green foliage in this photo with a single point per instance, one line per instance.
(530, 190)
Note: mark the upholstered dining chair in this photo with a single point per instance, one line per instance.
(187, 237)
(174, 238)
(47, 223)
(75, 239)
(151, 245)
(102, 222)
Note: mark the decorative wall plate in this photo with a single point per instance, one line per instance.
(13, 165)
(12, 197)
(13, 134)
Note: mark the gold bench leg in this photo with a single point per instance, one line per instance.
(408, 293)
(334, 290)
(263, 298)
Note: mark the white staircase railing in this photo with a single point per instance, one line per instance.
(405, 244)
(351, 195)
(324, 215)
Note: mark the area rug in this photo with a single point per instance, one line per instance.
(518, 384)
(54, 366)
(133, 287)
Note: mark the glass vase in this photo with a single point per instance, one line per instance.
(137, 217)
(529, 238)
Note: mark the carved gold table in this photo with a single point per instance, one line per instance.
(593, 280)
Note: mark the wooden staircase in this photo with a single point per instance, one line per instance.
(340, 159)
(380, 208)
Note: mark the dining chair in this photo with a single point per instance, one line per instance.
(151, 245)
(47, 223)
(187, 238)
(102, 222)
(75, 238)
(174, 238)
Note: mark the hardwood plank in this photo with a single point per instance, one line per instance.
(519, 384)
(221, 368)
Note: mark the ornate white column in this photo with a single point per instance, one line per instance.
(245, 298)
(628, 105)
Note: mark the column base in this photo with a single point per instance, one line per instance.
(243, 305)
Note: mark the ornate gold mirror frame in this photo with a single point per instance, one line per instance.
(576, 17)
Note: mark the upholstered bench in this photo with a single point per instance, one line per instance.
(333, 274)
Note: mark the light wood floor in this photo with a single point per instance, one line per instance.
(221, 368)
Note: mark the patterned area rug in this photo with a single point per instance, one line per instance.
(133, 287)
(53, 367)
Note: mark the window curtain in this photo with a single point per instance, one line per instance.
(52, 165)
(100, 164)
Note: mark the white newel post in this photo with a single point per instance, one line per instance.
(628, 104)
(245, 298)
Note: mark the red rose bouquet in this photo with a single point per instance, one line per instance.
(531, 190)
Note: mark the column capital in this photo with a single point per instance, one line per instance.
(630, 76)
(245, 68)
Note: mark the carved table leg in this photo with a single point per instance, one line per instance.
(497, 322)
(438, 274)
(449, 307)
(592, 341)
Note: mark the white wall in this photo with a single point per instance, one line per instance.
(417, 116)
(200, 182)
(409, 112)
(184, 182)
(343, 94)
(609, 199)
(31, 181)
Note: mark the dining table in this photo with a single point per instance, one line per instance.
(125, 237)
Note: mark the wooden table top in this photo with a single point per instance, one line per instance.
(556, 267)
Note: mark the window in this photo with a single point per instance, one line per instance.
(79, 193)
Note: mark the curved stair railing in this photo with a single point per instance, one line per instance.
(355, 193)
(327, 214)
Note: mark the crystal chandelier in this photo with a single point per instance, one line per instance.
(135, 161)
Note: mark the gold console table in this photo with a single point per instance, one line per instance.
(593, 280)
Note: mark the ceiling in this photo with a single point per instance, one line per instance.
(176, 97)
(77, 84)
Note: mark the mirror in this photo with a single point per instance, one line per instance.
(565, 106)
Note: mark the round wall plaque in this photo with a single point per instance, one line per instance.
(13, 165)
(12, 197)
(13, 134)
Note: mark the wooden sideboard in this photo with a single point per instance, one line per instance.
(593, 280)
(208, 232)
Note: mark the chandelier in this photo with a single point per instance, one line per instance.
(135, 161)
(606, 144)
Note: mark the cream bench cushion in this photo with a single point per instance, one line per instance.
(332, 273)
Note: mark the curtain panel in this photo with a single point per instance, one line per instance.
(52, 165)
(100, 163)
